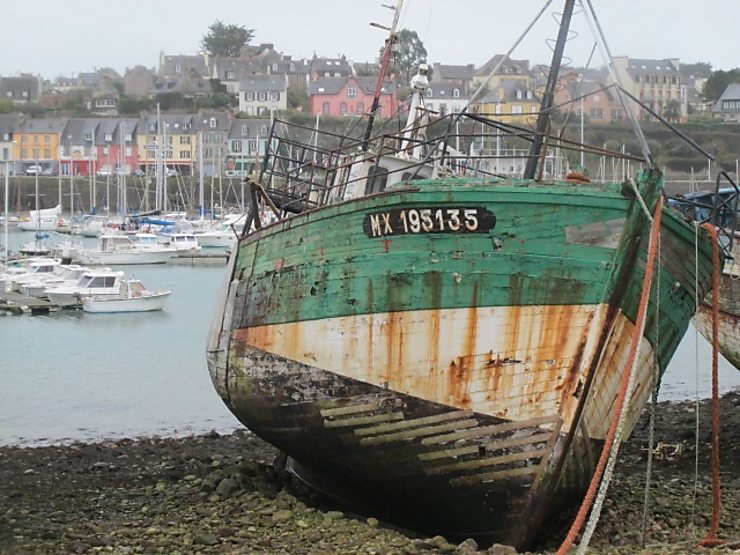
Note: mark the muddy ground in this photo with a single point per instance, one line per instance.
(221, 494)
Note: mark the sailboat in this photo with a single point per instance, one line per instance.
(440, 345)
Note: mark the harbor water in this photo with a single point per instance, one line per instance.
(73, 376)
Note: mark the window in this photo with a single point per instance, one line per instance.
(236, 146)
(9, 94)
(229, 75)
(292, 67)
(596, 113)
(456, 93)
(325, 108)
(245, 130)
(24, 153)
(128, 151)
(274, 66)
(250, 96)
(177, 68)
(108, 137)
(105, 151)
(342, 108)
(105, 103)
(35, 139)
(262, 96)
(429, 92)
(184, 154)
(212, 122)
(263, 130)
(185, 140)
(360, 107)
(47, 153)
(25, 94)
(529, 95)
(498, 108)
(519, 95)
(351, 92)
(517, 109)
(275, 96)
(252, 145)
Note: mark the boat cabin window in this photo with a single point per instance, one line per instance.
(409, 176)
(377, 179)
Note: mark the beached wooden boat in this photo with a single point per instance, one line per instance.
(446, 352)
(729, 311)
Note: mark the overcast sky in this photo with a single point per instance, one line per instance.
(56, 37)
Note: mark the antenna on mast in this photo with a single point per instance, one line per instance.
(390, 41)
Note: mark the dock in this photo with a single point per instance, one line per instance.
(201, 259)
(16, 303)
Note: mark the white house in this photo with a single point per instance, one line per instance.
(260, 94)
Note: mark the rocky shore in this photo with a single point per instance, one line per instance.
(223, 494)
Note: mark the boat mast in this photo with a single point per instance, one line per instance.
(383, 68)
(548, 97)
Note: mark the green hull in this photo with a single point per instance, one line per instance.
(407, 335)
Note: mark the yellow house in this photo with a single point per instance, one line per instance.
(509, 70)
(37, 141)
(172, 136)
(511, 101)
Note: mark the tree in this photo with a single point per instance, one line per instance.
(701, 70)
(226, 40)
(717, 83)
(672, 110)
(408, 53)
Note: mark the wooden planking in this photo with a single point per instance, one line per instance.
(363, 420)
(496, 475)
(418, 432)
(350, 409)
(414, 423)
(490, 430)
(491, 446)
(488, 461)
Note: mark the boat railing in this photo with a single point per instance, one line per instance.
(305, 167)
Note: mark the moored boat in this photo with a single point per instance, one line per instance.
(133, 296)
(92, 282)
(115, 249)
(440, 345)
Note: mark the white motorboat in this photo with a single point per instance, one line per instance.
(64, 275)
(184, 243)
(132, 297)
(223, 234)
(15, 269)
(100, 282)
(35, 270)
(122, 249)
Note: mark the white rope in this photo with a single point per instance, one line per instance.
(640, 199)
(593, 518)
(653, 405)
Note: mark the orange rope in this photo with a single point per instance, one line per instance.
(636, 338)
(711, 538)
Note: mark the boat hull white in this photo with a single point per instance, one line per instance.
(147, 303)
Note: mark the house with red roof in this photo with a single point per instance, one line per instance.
(353, 95)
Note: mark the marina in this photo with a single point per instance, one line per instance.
(257, 303)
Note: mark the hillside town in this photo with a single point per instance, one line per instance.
(103, 123)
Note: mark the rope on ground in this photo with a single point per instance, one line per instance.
(611, 443)
(711, 539)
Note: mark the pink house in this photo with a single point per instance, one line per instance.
(346, 96)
